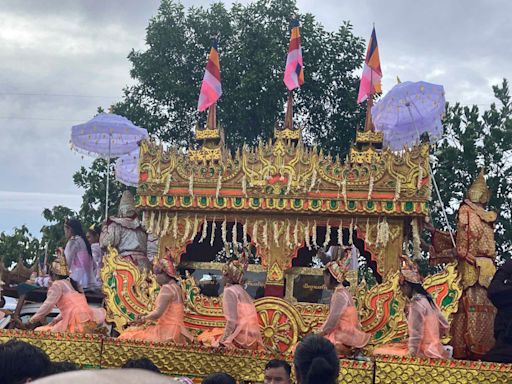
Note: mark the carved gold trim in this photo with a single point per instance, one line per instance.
(205, 154)
(203, 134)
(287, 134)
(369, 137)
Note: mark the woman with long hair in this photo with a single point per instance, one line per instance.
(93, 237)
(78, 255)
(425, 322)
(65, 293)
(342, 326)
(169, 310)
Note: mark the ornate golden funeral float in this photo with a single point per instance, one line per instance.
(280, 201)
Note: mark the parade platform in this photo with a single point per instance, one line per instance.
(196, 361)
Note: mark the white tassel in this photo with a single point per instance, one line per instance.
(416, 241)
(191, 185)
(287, 235)
(204, 233)
(265, 234)
(296, 233)
(212, 236)
(340, 233)
(157, 226)
(327, 234)
(195, 228)
(151, 222)
(167, 223)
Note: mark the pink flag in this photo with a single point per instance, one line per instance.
(211, 88)
(294, 72)
(372, 73)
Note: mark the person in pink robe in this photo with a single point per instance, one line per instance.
(75, 314)
(242, 328)
(166, 322)
(342, 326)
(78, 255)
(425, 322)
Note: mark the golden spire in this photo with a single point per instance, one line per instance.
(478, 192)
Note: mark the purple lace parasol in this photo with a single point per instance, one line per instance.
(407, 111)
(127, 169)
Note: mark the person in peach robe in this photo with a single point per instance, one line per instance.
(426, 323)
(166, 321)
(342, 326)
(75, 314)
(242, 328)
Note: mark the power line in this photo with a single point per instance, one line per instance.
(40, 118)
(58, 95)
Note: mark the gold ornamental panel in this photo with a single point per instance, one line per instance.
(369, 137)
(402, 370)
(81, 349)
(352, 371)
(203, 134)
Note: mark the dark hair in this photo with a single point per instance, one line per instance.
(333, 281)
(95, 229)
(418, 288)
(142, 363)
(74, 283)
(277, 363)
(77, 230)
(20, 361)
(316, 361)
(62, 366)
(219, 378)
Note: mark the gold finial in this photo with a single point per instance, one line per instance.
(478, 192)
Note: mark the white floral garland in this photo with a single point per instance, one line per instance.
(151, 221)
(195, 228)
(382, 233)
(219, 185)
(244, 232)
(315, 244)
(224, 232)
(296, 233)
(157, 228)
(287, 234)
(234, 233)
(398, 187)
(327, 234)
(175, 225)
(212, 236)
(187, 229)
(167, 223)
(306, 236)
(370, 186)
(351, 232)
(204, 233)
(344, 190)
(191, 184)
(416, 241)
(340, 233)
(275, 232)
(265, 234)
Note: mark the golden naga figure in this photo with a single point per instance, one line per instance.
(472, 327)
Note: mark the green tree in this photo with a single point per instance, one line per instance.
(253, 47)
(93, 181)
(53, 232)
(473, 140)
(20, 245)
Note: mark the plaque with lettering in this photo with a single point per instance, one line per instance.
(306, 285)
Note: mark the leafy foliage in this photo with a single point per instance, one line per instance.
(53, 232)
(253, 49)
(473, 140)
(20, 245)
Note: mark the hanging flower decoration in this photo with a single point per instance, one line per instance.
(340, 233)
(191, 184)
(265, 234)
(287, 234)
(296, 232)
(224, 232)
(382, 233)
(367, 239)
(234, 234)
(204, 233)
(187, 229)
(327, 234)
(344, 190)
(167, 223)
(212, 236)
(351, 232)
(276, 232)
(175, 225)
(195, 228)
(255, 232)
(219, 185)
(306, 236)
(244, 232)
(370, 186)
(416, 241)
(315, 244)
(157, 226)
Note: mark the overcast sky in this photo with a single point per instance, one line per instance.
(60, 60)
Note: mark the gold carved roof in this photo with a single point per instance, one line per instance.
(285, 176)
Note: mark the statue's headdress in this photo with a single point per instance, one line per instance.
(478, 192)
(165, 265)
(127, 205)
(409, 271)
(339, 268)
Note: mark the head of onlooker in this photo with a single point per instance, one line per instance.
(142, 363)
(21, 362)
(277, 372)
(62, 366)
(316, 361)
(219, 378)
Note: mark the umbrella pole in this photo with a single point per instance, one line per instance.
(108, 177)
(445, 216)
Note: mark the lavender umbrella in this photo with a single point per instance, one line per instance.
(127, 169)
(407, 111)
(107, 135)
